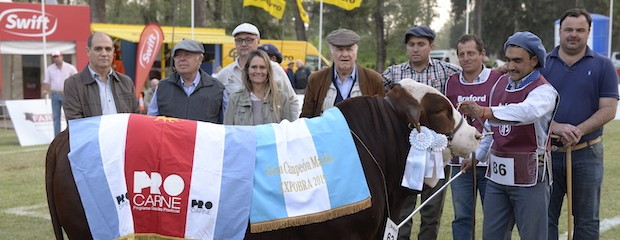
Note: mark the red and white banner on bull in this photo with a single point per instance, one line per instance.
(140, 175)
(148, 47)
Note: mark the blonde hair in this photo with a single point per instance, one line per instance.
(271, 90)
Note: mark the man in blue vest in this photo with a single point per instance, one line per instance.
(189, 93)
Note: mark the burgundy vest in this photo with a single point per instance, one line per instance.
(510, 138)
(479, 92)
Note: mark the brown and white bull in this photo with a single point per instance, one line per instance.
(382, 127)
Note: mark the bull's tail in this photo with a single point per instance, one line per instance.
(50, 168)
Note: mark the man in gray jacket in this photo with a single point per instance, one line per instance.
(189, 93)
(98, 89)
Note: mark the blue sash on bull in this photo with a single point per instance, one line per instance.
(423, 158)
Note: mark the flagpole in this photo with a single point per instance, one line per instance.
(467, 18)
(192, 19)
(43, 27)
(320, 34)
(611, 23)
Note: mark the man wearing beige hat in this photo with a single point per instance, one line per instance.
(54, 83)
(344, 79)
(189, 93)
(247, 39)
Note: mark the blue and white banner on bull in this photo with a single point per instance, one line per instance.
(307, 171)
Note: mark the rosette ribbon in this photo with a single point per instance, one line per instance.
(419, 160)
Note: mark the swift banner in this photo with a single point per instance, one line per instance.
(273, 7)
(346, 5)
(307, 171)
(148, 47)
(141, 175)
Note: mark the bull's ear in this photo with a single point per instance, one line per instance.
(406, 106)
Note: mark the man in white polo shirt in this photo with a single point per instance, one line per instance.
(247, 39)
(54, 83)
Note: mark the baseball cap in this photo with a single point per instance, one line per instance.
(246, 28)
(56, 53)
(271, 50)
(188, 45)
(343, 37)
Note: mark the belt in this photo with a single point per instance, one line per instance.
(57, 92)
(578, 146)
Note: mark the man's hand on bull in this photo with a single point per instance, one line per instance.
(569, 134)
(468, 164)
(472, 109)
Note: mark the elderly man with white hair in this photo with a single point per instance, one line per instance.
(344, 79)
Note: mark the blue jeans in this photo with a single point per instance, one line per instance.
(56, 105)
(462, 200)
(525, 206)
(587, 164)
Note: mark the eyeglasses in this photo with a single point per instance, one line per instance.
(247, 41)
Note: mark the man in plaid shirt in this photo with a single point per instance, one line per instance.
(432, 72)
(435, 73)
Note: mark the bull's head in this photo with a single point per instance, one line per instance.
(436, 112)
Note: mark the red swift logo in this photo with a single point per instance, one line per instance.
(153, 40)
(27, 22)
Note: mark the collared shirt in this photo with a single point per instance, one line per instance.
(344, 87)
(581, 86)
(56, 77)
(108, 106)
(537, 108)
(482, 77)
(435, 74)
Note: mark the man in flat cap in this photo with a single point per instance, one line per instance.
(98, 89)
(247, 39)
(189, 93)
(344, 79)
(432, 72)
(521, 109)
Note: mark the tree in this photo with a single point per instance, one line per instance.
(97, 11)
(377, 16)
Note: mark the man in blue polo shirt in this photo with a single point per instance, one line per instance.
(588, 88)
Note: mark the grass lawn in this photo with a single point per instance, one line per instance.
(23, 205)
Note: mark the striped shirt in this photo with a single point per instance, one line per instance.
(435, 75)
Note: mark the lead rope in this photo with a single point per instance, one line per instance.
(387, 203)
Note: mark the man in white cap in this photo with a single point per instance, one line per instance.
(54, 83)
(189, 93)
(247, 39)
(522, 105)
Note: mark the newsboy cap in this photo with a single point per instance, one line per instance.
(343, 37)
(531, 43)
(420, 31)
(188, 45)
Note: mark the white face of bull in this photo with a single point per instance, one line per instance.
(466, 137)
